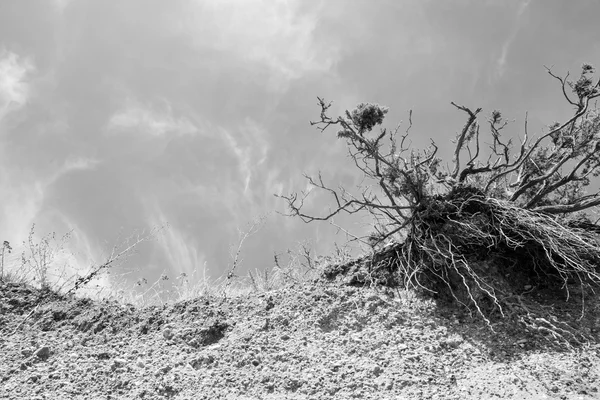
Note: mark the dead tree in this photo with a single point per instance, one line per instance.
(503, 198)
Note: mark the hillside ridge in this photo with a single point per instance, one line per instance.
(314, 340)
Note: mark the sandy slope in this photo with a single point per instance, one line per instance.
(316, 341)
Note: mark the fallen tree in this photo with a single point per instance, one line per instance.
(500, 223)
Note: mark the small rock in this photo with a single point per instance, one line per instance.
(270, 303)
(527, 287)
(285, 337)
(452, 342)
(43, 352)
(186, 332)
(168, 333)
(385, 383)
(164, 369)
(26, 352)
(389, 384)
(140, 363)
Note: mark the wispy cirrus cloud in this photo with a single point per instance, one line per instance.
(501, 62)
(21, 202)
(61, 5)
(148, 119)
(277, 34)
(250, 146)
(179, 250)
(20, 195)
(14, 87)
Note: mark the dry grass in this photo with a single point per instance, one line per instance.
(41, 263)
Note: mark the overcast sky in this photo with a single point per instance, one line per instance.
(121, 115)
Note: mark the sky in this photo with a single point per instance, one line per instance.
(118, 116)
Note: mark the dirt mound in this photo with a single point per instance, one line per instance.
(317, 340)
(496, 260)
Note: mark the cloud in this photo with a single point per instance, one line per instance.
(61, 5)
(250, 147)
(21, 193)
(71, 163)
(14, 88)
(501, 62)
(154, 121)
(21, 203)
(242, 155)
(177, 247)
(276, 34)
(22, 196)
(79, 163)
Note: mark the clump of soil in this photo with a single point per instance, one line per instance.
(322, 340)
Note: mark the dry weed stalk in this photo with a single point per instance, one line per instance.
(235, 253)
(118, 254)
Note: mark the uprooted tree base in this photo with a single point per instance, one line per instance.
(504, 228)
(497, 261)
